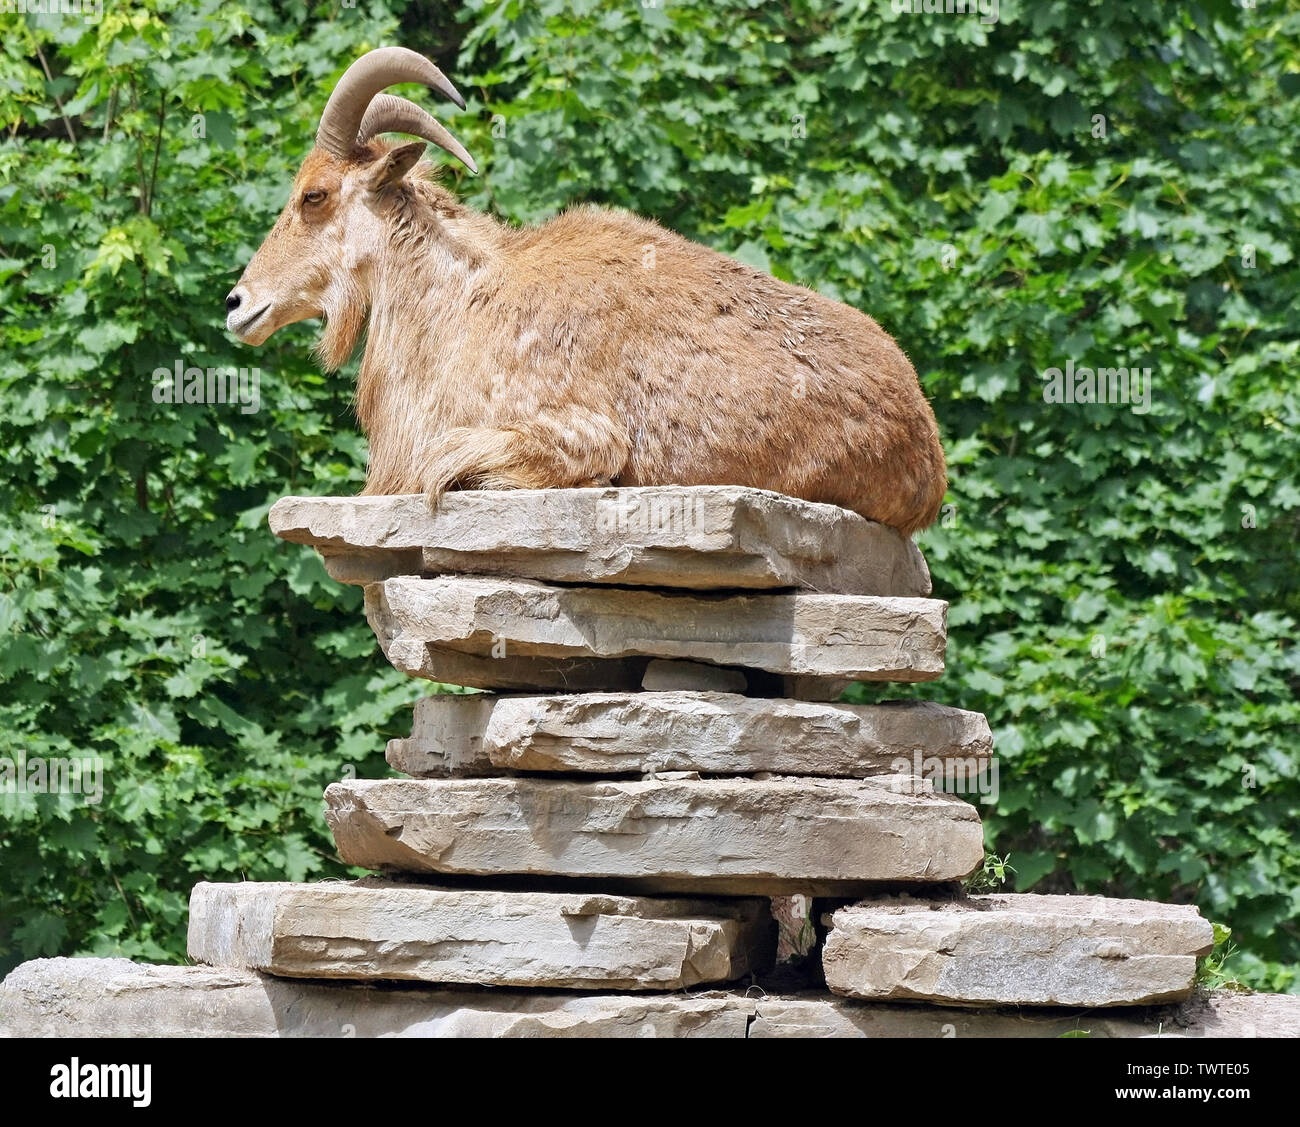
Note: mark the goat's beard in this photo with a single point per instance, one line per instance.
(345, 317)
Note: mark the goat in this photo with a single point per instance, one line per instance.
(597, 348)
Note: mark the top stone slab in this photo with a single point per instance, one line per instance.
(695, 537)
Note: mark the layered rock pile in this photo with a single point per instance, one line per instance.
(655, 754)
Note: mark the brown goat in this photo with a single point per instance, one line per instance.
(596, 348)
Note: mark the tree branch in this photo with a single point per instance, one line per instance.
(157, 145)
(45, 66)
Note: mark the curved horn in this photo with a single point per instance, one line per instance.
(388, 114)
(375, 70)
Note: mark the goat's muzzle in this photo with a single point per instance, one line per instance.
(244, 324)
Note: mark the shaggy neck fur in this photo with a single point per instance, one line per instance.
(423, 256)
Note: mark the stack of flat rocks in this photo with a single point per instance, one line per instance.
(653, 754)
(655, 751)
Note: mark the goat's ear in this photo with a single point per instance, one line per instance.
(393, 165)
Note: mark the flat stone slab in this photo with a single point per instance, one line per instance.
(699, 537)
(712, 733)
(499, 623)
(514, 674)
(118, 998)
(1020, 949)
(690, 676)
(376, 929)
(1221, 1013)
(572, 675)
(731, 836)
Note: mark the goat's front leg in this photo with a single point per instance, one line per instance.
(554, 450)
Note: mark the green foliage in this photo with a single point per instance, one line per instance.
(991, 876)
(1123, 583)
(149, 618)
(1212, 971)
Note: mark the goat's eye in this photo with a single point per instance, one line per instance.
(314, 196)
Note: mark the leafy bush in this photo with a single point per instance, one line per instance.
(1079, 182)
(149, 617)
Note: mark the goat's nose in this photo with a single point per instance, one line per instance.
(232, 301)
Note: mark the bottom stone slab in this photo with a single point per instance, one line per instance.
(1016, 949)
(374, 929)
(119, 998)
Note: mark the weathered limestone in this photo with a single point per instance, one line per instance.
(713, 733)
(1020, 949)
(735, 836)
(496, 621)
(384, 930)
(119, 998)
(538, 674)
(446, 739)
(634, 768)
(516, 674)
(690, 676)
(1219, 1014)
(701, 537)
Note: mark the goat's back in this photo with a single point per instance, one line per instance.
(724, 373)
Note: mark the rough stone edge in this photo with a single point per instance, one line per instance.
(770, 541)
(1046, 913)
(456, 736)
(359, 814)
(94, 997)
(237, 925)
(460, 650)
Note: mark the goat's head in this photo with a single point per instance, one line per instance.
(311, 262)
